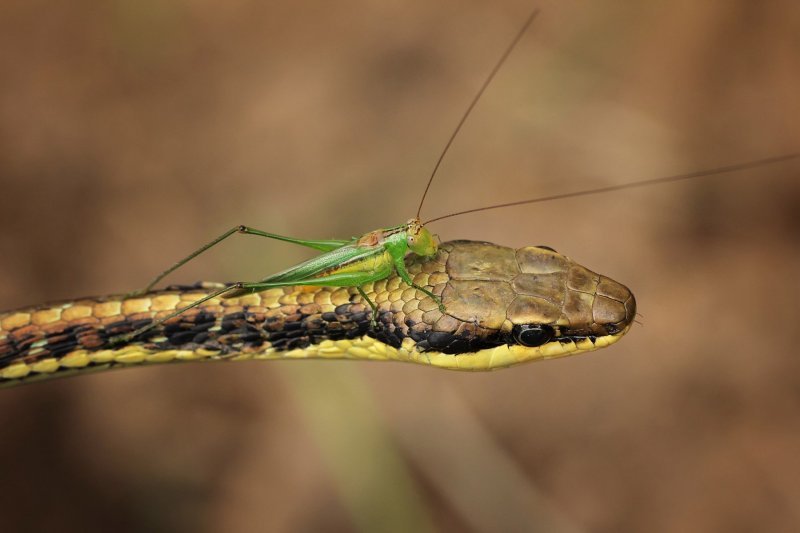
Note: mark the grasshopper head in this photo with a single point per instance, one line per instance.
(419, 239)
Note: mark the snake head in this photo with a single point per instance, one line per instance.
(420, 240)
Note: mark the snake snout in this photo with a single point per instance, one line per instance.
(614, 306)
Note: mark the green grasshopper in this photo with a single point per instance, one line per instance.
(351, 263)
(376, 254)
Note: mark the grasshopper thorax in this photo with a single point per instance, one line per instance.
(419, 239)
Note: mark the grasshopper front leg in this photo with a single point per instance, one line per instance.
(400, 267)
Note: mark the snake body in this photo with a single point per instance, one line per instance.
(503, 306)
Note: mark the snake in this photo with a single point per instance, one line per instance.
(503, 306)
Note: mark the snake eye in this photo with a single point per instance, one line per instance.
(532, 335)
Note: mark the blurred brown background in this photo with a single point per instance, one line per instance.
(133, 131)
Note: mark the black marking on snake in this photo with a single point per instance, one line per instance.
(10, 347)
(245, 331)
(62, 342)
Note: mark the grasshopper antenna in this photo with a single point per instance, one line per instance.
(475, 99)
(633, 184)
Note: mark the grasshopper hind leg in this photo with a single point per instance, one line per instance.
(321, 245)
(128, 337)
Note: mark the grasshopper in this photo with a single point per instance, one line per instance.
(350, 263)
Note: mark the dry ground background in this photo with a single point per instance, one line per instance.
(133, 131)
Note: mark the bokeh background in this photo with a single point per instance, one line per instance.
(133, 131)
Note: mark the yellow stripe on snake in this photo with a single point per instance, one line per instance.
(504, 306)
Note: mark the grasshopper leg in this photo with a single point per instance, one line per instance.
(400, 266)
(127, 337)
(374, 321)
(322, 245)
